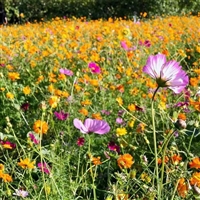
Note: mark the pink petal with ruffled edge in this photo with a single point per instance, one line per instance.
(79, 125)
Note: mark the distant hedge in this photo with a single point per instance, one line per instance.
(22, 10)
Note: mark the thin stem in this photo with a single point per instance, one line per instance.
(163, 159)
(155, 144)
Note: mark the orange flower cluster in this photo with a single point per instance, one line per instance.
(182, 188)
(5, 177)
(125, 161)
(40, 127)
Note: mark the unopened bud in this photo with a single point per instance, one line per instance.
(180, 124)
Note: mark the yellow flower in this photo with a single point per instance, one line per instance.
(121, 131)
(26, 163)
(125, 161)
(1, 167)
(145, 177)
(131, 107)
(40, 127)
(119, 101)
(87, 102)
(131, 123)
(53, 101)
(26, 90)
(9, 95)
(13, 76)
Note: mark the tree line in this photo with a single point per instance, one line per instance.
(30, 10)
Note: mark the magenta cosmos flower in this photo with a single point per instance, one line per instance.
(94, 68)
(61, 115)
(167, 74)
(92, 126)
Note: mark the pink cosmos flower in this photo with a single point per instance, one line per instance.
(92, 125)
(44, 167)
(94, 68)
(33, 138)
(124, 45)
(20, 193)
(167, 74)
(66, 72)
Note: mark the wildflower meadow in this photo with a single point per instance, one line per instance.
(100, 109)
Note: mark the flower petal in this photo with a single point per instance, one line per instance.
(79, 125)
(101, 127)
(154, 65)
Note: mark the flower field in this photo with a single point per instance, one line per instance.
(103, 110)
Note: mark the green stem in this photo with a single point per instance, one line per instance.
(155, 145)
(163, 159)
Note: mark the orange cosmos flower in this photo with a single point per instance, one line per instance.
(195, 179)
(40, 127)
(131, 107)
(140, 128)
(87, 102)
(182, 188)
(182, 116)
(125, 161)
(176, 159)
(160, 160)
(26, 163)
(97, 116)
(6, 177)
(195, 163)
(13, 76)
(83, 111)
(96, 160)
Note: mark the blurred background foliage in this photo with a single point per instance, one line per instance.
(30, 10)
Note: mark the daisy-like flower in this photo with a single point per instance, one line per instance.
(125, 161)
(20, 193)
(92, 126)
(26, 163)
(40, 127)
(167, 73)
